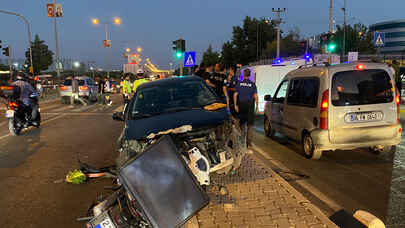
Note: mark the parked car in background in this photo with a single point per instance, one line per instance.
(345, 106)
(87, 89)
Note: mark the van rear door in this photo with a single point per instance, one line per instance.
(362, 106)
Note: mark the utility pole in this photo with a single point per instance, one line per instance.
(107, 52)
(56, 43)
(9, 62)
(344, 31)
(278, 11)
(330, 17)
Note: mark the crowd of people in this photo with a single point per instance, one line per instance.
(240, 93)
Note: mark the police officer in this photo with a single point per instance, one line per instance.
(229, 90)
(246, 91)
(140, 79)
(126, 88)
(208, 77)
(219, 80)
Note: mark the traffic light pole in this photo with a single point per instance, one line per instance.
(28, 29)
(181, 66)
(107, 53)
(57, 45)
(9, 63)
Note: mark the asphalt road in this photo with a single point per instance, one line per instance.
(34, 165)
(349, 180)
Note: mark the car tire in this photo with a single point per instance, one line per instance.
(383, 151)
(309, 149)
(267, 128)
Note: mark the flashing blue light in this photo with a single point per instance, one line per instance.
(277, 61)
(292, 63)
(308, 57)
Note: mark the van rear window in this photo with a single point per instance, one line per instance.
(361, 88)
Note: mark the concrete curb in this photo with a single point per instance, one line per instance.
(301, 199)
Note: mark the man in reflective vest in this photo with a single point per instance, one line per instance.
(140, 80)
(126, 88)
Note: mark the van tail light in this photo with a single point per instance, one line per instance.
(62, 88)
(397, 101)
(12, 105)
(84, 88)
(324, 110)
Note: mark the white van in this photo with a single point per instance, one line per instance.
(343, 107)
(267, 77)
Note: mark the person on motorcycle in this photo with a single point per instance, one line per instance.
(140, 79)
(26, 92)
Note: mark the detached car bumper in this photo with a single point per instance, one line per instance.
(322, 141)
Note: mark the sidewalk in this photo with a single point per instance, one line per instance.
(258, 197)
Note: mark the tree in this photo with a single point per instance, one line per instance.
(358, 38)
(42, 57)
(289, 45)
(210, 57)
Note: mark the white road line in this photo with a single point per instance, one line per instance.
(308, 187)
(43, 122)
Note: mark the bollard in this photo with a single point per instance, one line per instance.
(368, 219)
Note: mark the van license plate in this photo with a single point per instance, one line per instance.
(10, 113)
(365, 117)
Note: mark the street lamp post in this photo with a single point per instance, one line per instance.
(257, 37)
(107, 43)
(28, 30)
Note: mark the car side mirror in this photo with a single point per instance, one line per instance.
(267, 97)
(118, 116)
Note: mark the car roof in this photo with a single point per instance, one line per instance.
(169, 81)
(310, 70)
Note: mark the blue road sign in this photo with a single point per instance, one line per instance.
(379, 39)
(189, 59)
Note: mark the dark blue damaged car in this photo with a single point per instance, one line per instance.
(195, 118)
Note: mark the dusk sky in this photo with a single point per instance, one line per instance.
(154, 24)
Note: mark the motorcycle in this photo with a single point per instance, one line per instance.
(19, 114)
(148, 199)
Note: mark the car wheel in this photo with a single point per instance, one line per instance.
(267, 128)
(308, 148)
(384, 150)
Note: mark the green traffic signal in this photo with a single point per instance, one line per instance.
(179, 54)
(331, 47)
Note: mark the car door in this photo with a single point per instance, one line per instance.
(277, 107)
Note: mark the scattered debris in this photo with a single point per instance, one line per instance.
(59, 181)
(76, 177)
(223, 190)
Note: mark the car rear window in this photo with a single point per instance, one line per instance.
(68, 82)
(361, 88)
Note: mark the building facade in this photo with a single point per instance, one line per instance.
(394, 36)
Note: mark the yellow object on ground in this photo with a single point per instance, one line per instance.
(75, 177)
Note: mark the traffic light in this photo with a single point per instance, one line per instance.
(331, 47)
(179, 47)
(6, 51)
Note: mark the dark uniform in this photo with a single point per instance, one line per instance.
(246, 90)
(231, 84)
(218, 80)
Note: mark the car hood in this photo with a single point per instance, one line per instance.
(141, 128)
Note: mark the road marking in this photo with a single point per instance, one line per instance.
(78, 113)
(43, 122)
(308, 187)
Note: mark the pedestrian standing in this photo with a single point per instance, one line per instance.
(100, 90)
(75, 92)
(126, 88)
(398, 80)
(229, 90)
(246, 92)
(219, 80)
(208, 77)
